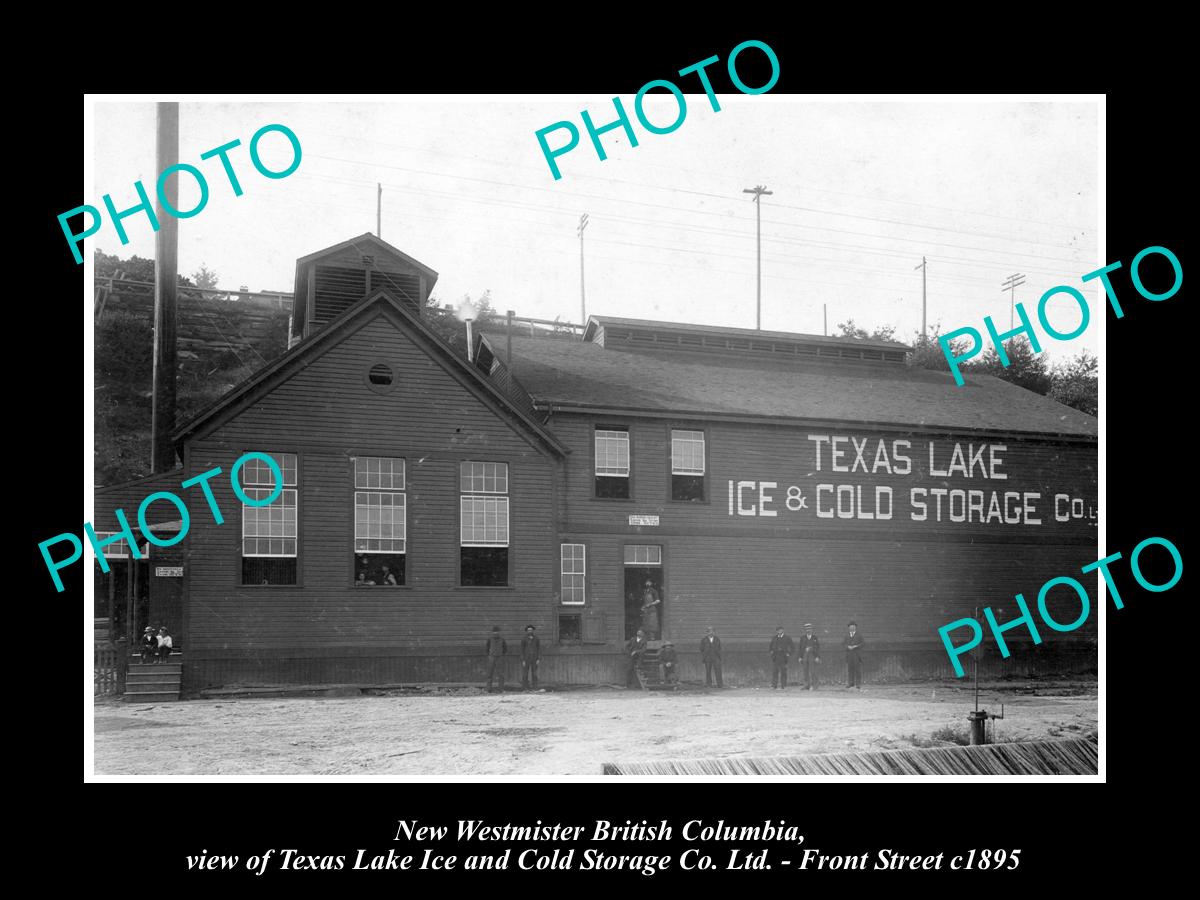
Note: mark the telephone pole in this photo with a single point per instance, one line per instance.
(758, 191)
(166, 288)
(583, 222)
(379, 211)
(1010, 284)
(922, 267)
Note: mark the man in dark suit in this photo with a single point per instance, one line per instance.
(497, 647)
(531, 652)
(710, 652)
(635, 648)
(853, 642)
(810, 655)
(782, 647)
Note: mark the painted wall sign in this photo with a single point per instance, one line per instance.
(643, 520)
(168, 571)
(959, 482)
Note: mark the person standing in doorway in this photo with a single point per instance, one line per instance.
(497, 647)
(531, 652)
(710, 653)
(651, 611)
(853, 642)
(809, 655)
(782, 647)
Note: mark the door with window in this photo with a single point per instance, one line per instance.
(645, 580)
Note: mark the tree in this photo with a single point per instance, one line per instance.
(449, 323)
(851, 330)
(1025, 367)
(136, 268)
(927, 352)
(1076, 383)
(204, 277)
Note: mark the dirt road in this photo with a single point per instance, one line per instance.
(552, 734)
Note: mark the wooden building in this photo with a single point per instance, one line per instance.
(752, 478)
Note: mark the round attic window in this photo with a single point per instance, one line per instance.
(381, 377)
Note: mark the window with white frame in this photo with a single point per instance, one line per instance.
(380, 526)
(269, 533)
(115, 550)
(643, 555)
(483, 523)
(574, 572)
(612, 463)
(687, 465)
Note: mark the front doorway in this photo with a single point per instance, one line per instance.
(645, 577)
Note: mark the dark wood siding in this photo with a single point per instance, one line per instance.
(327, 414)
(785, 455)
(901, 579)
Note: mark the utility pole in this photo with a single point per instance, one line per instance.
(583, 222)
(922, 267)
(166, 286)
(379, 211)
(758, 191)
(1010, 284)
(825, 319)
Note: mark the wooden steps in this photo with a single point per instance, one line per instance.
(153, 681)
(649, 669)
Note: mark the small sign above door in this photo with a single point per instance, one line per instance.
(643, 520)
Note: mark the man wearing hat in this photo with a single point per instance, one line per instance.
(782, 647)
(531, 652)
(853, 643)
(810, 655)
(669, 658)
(635, 649)
(497, 647)
(149, 644)
(710, 653)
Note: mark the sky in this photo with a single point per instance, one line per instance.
(862, 190)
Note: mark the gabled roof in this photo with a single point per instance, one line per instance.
(563, 374)
(367, 244)
(332, 334)
(366, 240)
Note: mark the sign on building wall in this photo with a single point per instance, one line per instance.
(168, 571)
(938, 481)
(643, 520)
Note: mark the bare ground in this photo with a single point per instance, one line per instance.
(567, 733)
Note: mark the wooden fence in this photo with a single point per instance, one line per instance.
(109, 671)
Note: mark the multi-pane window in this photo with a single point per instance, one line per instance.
(115, 550)
(612, 463)
(380, 530)
(574, 571)
(643, 555)
(483, 521)
(687, 465)
(269, 534)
